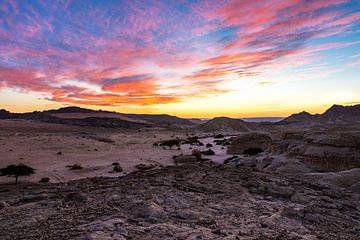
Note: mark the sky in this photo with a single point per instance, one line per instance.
(235, 58)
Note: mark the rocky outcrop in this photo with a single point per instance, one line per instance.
(336, 114)
(200, 201)
(247, 141)
(338, 111)
(5, 114)
(332, 150)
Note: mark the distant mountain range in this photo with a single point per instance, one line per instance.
(262, 119)
(88, 117)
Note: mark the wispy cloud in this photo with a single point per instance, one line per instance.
(135, 51)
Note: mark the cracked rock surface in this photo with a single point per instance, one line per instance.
(199, 201)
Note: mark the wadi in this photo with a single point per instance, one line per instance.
(106, 175)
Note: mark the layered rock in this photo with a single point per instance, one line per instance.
(325, 150)
(253, 140)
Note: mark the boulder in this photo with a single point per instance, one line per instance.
(197, 154)
(3, 204)
(76, 197)
(149, 211)
(247, 141)
(263, 163)
(144, 167)
(208, 152)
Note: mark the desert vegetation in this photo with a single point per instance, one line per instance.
(17, 171)
(169, 143)
(76, 166)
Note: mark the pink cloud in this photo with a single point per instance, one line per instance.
(45, 46)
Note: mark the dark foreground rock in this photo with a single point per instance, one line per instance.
(202, 201)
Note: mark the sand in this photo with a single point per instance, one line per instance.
(51, 148)
(38, 145)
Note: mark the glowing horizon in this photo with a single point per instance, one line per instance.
(190, 59)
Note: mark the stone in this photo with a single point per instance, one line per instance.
(185, 159)
(208, 152)
(296, 212)
(76, 197)
(144, 167)
(3, 205)
(148, 210)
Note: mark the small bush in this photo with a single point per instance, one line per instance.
(117, 168)
(209, 145)
(170, 143)
(219, 136)
(197, 154)
(115, 164)
(76, 166)
(44, 180)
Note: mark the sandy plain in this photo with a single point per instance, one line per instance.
(52, 148)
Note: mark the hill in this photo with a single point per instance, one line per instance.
(88, 117)
(225, 124)
(338, 111)
(298, 117)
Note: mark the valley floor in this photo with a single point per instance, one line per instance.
(273, 195)
(50, 148)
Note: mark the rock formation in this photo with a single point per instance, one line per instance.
(253, 140)
(203, 201)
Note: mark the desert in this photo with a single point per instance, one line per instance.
(217, 179)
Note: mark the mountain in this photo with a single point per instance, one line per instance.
(88, 117)
(335, 114)
(338, 111)
(298, 117)
(225, 124)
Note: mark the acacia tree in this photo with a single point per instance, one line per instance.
(16, 171)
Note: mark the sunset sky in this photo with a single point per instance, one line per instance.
(235, 58)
